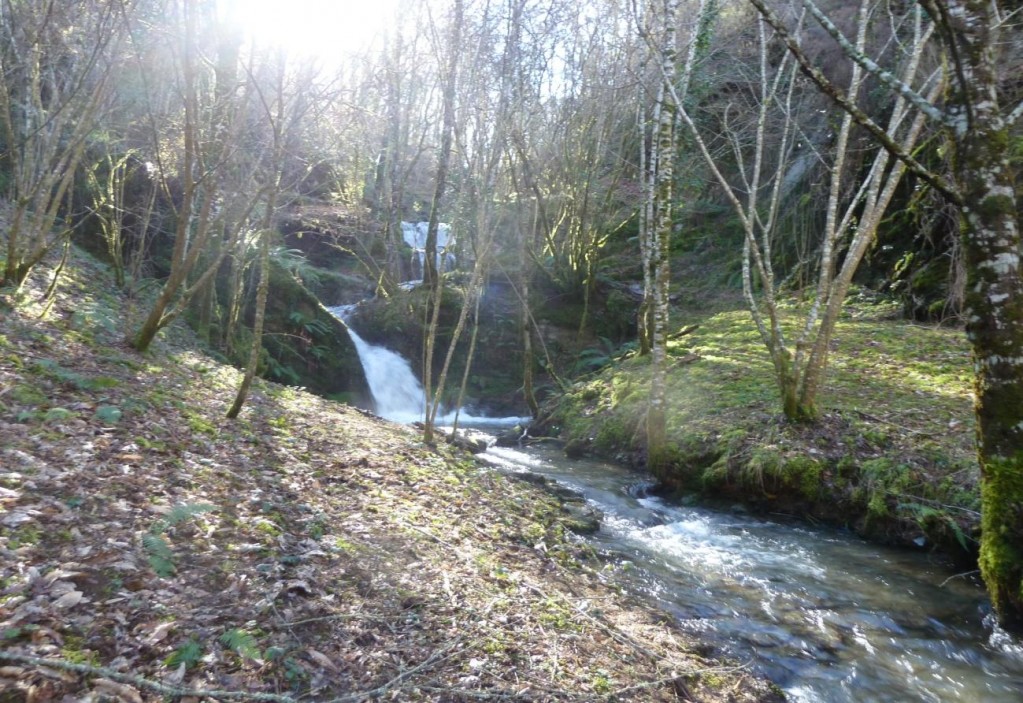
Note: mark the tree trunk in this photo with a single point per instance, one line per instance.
(664, 193)
(431, 274)
(993, 303)
(262, 292)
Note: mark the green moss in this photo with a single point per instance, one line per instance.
(614, 434)
(804, 474)
(763, 470)
(877, 506)
(27, 395)
(1001, 549)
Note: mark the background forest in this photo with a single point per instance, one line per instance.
(614, 174)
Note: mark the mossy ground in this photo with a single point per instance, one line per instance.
(304, 551)
(891, 456)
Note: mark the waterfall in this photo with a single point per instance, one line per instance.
(397, 393)
(414, 234)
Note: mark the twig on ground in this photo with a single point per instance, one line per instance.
(141, 682)
(174, 691)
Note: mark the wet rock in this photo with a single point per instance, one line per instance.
(470, 444)
(576, 448)
(511, 437)
(580, 517)
(583, 519)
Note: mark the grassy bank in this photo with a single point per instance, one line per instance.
(891, 457)
(150, 549)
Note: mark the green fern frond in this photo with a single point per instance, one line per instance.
(183, 511)
(242, 643)
(189, 654)
(161, 558)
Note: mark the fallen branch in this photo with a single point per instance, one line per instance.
(176, 692)
(683, 332)
(958, 576)
(155, 686)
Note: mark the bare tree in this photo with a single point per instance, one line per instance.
(800, 356)
(209, 134)
(656, 222)
(431, 271)
(56, 78)
(275, 108)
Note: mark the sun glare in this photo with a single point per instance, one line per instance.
(327, 30)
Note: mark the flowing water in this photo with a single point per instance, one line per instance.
(824, 615)
(829, 618)
(397, 393)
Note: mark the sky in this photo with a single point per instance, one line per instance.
(324, 29)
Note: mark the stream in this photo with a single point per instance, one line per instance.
(826, 616)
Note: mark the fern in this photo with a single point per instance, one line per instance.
(242, 643)
(161, 558)
(183, 511)
(188, 654)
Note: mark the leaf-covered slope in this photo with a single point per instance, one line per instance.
(149, 548)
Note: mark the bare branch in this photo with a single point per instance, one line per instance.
(940, 184)
(1016, 113)
(887, 77)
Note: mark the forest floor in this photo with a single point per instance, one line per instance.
(151, 549)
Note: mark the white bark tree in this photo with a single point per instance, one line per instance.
(800, 355)
(656, 220)
(978, 125)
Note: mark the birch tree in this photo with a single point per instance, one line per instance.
(978, 125)
(658, 239)
(656, 223)
(800, 355)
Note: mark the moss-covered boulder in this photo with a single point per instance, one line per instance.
(307, 346)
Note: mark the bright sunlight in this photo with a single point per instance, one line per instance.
(326, 30)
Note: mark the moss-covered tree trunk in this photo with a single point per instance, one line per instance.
(993, 303)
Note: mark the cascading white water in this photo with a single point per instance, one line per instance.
(396, 390)
(414, 234)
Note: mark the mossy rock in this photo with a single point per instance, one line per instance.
(307, 346)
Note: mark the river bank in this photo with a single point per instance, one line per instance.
(151, 548)
(892, 457)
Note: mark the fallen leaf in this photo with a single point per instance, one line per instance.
(177, 676)
(322, 659)
(68, 600)
(112, 688)
(159, 632)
